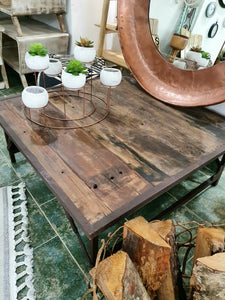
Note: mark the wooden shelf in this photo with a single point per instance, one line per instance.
(110, 28)
(114, 57)
(15, 47)
(106, 28)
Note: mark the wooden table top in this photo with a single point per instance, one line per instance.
(104, 172)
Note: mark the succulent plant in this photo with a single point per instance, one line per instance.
(37, 49)
(75, 67)
(85, 42)
(206, 55)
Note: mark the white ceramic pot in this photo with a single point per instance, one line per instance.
(55, 67)
(84, 54)
(35, 97)
(73, 82)
(194, 56)
(110, 77)
(37, 62)
(203, 62)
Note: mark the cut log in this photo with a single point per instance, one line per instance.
(148, 251)
(171, 288)
(208, 242)
(208, 278)
(117, 278)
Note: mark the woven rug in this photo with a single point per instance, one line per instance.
(16, 257)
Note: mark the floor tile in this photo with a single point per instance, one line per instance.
(39, 229)
(56, 275)
(210, 205)
(59, 221)
(38, 188)
(7, 175)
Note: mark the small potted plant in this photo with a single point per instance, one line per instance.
(194, 54)
(74, 74)
(37, 57)
(84, 50)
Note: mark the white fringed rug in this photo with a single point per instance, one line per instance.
(16, 257)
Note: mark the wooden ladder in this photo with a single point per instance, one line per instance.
(106, 28)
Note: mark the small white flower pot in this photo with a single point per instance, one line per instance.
(35, 97)
(84, 54)
(73, 82)
(203, 62)
(37, 62)
(55, 67)
(194, 56)
(110, 77)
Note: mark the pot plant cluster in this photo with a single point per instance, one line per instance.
(199, 56)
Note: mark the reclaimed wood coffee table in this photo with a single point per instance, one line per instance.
(103, 173)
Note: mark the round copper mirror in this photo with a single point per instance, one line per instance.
(157, 76)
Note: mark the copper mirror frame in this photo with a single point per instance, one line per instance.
(157, 76)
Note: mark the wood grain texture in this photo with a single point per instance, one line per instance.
(118, 278)
(104, 172)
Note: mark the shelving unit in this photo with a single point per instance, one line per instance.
(21, 31)
(106, 28)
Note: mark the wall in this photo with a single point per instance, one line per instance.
(167, 12)
(168, 16)
(83, 14)
(80, 17)
(203, 24)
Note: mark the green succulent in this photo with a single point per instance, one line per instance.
(206, 55)
(37, 49)
(75, 67)
(85, 42)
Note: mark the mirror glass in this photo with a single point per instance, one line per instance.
(189, 33)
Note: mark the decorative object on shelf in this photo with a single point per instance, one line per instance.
(199, 56)
(222, 3)
(55, 67)
(210, 9)
(213, 30)
(192, 3)
(84, 50)
(37, 57)
(110, 77)
(74, 75)
(35, 97)
(178, 42)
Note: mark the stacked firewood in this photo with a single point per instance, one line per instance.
(148, 267)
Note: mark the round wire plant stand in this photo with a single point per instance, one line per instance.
(71, 108)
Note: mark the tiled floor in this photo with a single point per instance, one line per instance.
(60, 269)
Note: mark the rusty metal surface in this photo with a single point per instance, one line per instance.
(157, 76)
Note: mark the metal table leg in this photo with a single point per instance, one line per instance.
(93, 243)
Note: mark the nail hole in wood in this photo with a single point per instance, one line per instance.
(95, 186)
(112, 177)
(120, 172)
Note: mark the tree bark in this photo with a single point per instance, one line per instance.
(208, 278)
(117, 278)
(172, 287)
(148, 251)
